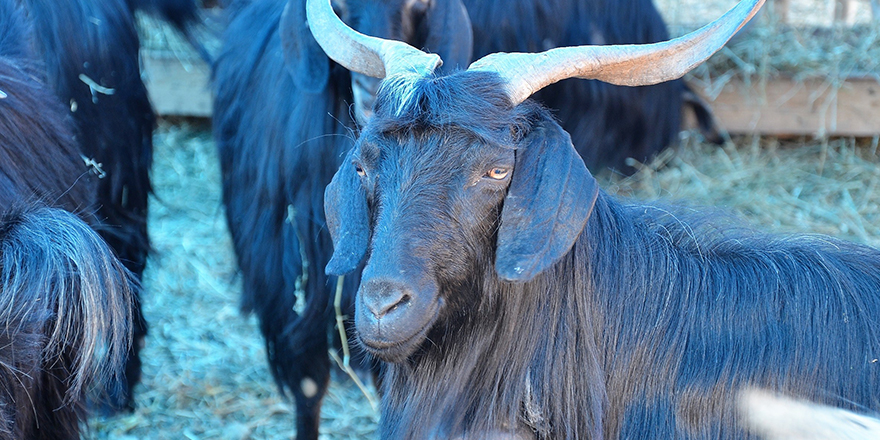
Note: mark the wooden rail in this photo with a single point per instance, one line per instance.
(785, 107)
(178, 88)
(779, 107)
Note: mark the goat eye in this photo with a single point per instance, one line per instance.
(360, 170)
(497, 173)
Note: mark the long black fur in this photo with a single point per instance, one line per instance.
(648, 327)
(95, 41)
(35, 130)
(66, 309)
(282, 132)
(608, 123)
(65, 300)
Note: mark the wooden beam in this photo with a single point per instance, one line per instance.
(785, 107)
(177, 88)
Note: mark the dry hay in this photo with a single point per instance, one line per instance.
(205, 372)
(808, 46)
(802, 13)
(830, 187)
(766, 51)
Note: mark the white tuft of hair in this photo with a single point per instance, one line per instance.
(400, 89)
(774, 417)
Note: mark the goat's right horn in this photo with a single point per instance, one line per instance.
(627, 65)
(361, 53)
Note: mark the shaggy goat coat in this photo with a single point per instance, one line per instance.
(91, 52)
(648, 326)
(64, 298)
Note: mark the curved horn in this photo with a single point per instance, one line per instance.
(361, 53)
(625, 65)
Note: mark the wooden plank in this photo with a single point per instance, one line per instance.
(784, 107)
(178, 88)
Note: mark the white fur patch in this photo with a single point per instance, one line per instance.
(401, 89)
(309, 387)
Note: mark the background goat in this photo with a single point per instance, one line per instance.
(282, 123)
(90, 49)
(514, 298)
(64, 298)
(608, 123)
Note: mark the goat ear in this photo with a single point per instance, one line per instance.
(303, 57)
(550, 198)
(450, 34)
(345, 207)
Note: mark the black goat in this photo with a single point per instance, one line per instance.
(65, 299)
(514, 299)
(90, 49)
(608, 123)
(282, 124)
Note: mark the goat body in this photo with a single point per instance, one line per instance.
(513, 297)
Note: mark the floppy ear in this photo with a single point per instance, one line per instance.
(549, 200)
(450, 34)
(345, 207)
(304, 59)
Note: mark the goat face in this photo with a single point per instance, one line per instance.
(435, 205)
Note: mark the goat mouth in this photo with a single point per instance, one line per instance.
(399, 349)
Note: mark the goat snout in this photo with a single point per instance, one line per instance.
(387, 297)
(393, 316)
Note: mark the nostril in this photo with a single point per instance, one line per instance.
(382, 298)
(403, 301)
(391, 304)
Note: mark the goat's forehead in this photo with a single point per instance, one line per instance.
(438, 149)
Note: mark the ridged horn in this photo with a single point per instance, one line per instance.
(361, 53)
(626, 65)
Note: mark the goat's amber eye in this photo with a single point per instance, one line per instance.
(360, 170)
(498, 173)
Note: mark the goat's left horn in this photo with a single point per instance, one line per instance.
(626, 65)
(361, 53)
